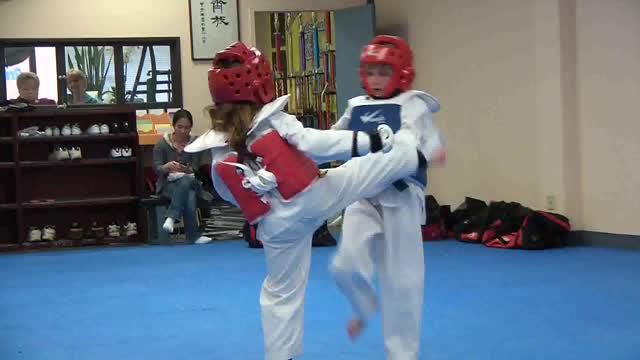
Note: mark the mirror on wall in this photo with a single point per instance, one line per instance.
(142, 72)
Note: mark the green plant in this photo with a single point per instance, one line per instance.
(91, 61)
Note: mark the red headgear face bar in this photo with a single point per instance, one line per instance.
(240, 73)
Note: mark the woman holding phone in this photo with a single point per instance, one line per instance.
(176, 179)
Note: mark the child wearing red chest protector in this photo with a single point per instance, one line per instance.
(385, 229)
(265, 162)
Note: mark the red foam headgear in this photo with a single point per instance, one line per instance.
(250, 81)
(394, 51)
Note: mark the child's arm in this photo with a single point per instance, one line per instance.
(327, 145)
(345, 119)
(417, 121)
(218, 154)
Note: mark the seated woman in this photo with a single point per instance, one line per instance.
(77, 84)
(176, 179)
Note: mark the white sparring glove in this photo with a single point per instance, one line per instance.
(365, 143)
(387, 137)
(260, 182)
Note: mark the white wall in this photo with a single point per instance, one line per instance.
(481, 64)
(608, 54)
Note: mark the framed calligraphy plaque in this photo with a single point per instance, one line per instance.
(214, 25)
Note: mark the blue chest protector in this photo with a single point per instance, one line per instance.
(367, 118)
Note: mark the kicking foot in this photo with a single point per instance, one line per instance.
(203, 240)
(168, 225)
(355, 327)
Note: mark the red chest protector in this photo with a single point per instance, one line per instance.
(294, 171)
(253, 206)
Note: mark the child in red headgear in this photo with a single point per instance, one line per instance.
(386, 229)
(265, 162)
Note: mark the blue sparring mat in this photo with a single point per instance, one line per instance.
(201, 302)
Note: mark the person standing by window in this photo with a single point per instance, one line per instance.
(77, 84)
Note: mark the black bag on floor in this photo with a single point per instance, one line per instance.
(435, 227)
(544, 230)
(249, 233)
(321, 237)
(503, 223)
(468, 220)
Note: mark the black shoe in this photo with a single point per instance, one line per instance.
(124, 127)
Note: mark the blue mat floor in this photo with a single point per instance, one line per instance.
(201, 302)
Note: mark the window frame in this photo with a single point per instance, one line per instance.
(118, 62)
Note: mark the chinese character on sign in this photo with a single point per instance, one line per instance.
(219, 20)
(202, 21)
(217, 5)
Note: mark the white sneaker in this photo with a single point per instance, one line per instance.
(30, 131)
(131, 229)
(203, 240)
(113, 230)
(168, 225)
(75, 153)
(56, 131)
(59, 153)
(35, 234)
(66, 130)
(104, 129)
(126, 151)
(49, 233)
(94, 129)
(48, 131)
(75, 130)
(116, 152)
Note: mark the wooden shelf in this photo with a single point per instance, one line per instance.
(81, 202)
(82, 162)
(9, 247)
(81, 138)
(81, 111)
(68, 244)
(8, 206)
(82, 190)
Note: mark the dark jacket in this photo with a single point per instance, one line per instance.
(165, 151)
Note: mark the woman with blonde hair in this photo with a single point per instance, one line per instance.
(265, 162)
(77, 83)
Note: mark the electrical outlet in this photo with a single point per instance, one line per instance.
(551, 202)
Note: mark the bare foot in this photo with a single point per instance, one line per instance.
(354, 327)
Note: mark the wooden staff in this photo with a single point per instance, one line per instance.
(329, 73)
(290, 82)
(280, 81)
(317, 78)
